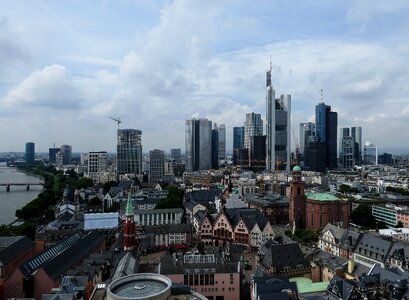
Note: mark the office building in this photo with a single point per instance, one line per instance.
(258, 153)
(175, 154)
(238, 142)
(157, 166)
(314, 155)
(215, 147)
(238, 137)
(30, 152)
(370, 154)
(97, 163)
(222, 141)
(307, 130)
(198, 140)
(326, 122)
(278, 127)
(356, 134)
(66, 152)
(385, 158)
(252, 127)
(346, 151)
(129, 152)
(52, 153)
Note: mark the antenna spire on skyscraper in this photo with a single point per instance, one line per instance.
(322, 96)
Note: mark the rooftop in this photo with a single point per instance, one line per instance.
(322, 197)
(305, 285)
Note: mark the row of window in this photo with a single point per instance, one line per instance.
(198, 279)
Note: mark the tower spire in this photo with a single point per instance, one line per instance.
(268, 79)
(322, 96)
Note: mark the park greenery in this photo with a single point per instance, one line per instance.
(303, 236)
(362, 216)
(346, 189)
(398, 190)
(174, 198)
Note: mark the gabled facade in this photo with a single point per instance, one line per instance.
(241, 233)
(330, 239)
(222, 230)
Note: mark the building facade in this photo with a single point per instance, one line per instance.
(52, 154)
(198, 140)
(129, 152)
(222, 141)
(66, 152)
(306, 131)
(97, 163)
(326, 122)
(252, 127)
(370, 154)
(238, 142)
(278, 127)
(175, 154)
(156, 165)
(30, 152)
(297, 200)
(215, 147)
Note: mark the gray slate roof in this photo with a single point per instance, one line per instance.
(11, 247)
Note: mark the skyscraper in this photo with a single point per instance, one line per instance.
(326, 122)
(156, 165)
(97, 162)
(356, 133)
(370, 154)
(198, 140)
(129, 152)
(52, 152)
(222, 141)
(215, 147)
(238, 137)
(252, 127)
(346, 153)
(307, 130)
(66, 152)
(30, 152)
(238, 142)
(278, 126)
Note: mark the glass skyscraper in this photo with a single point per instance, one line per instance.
(30, 152)
(278, 126)
(156, 165)
(222, 141)
(370, 154)
(198, 140)
(129, 152)
(326, 122)
(238, 137)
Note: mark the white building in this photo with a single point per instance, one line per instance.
(158, 216)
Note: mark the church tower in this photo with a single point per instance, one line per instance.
(129, 228)
(297, 209)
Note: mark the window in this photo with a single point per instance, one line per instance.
(298, 190)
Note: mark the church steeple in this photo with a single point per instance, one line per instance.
(129, 227)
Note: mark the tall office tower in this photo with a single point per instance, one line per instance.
(343, 132)
(238, 142)
(198, 140)
(215, 147)
(326, 122)
(222, 141)
(97, 163)
(129, 152)
(252, 127)
(306, 131)
(347, 150)
(52, 152)
(157, 165)
(278, 127)
(66, 151)
(238, 137)
(175, 154)
(258, 153)
(370, 154)
(30, 152)
(356, 133)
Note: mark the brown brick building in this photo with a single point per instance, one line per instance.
(315, 210)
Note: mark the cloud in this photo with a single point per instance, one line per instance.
(51, 87)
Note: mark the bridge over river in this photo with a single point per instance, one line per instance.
(27, 185)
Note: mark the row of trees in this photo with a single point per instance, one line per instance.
(41, 209)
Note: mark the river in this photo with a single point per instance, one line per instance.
(18, 196)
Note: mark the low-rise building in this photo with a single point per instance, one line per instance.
(330, 239)
(158, 216)
(166, 235)
(273, 206)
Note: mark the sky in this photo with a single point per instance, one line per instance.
(67, 66)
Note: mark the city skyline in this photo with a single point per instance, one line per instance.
(69, 66)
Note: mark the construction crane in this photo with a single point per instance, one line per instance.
(297, 150)
(117, 120)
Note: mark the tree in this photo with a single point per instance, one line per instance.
(399, 225)
(362, 215)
